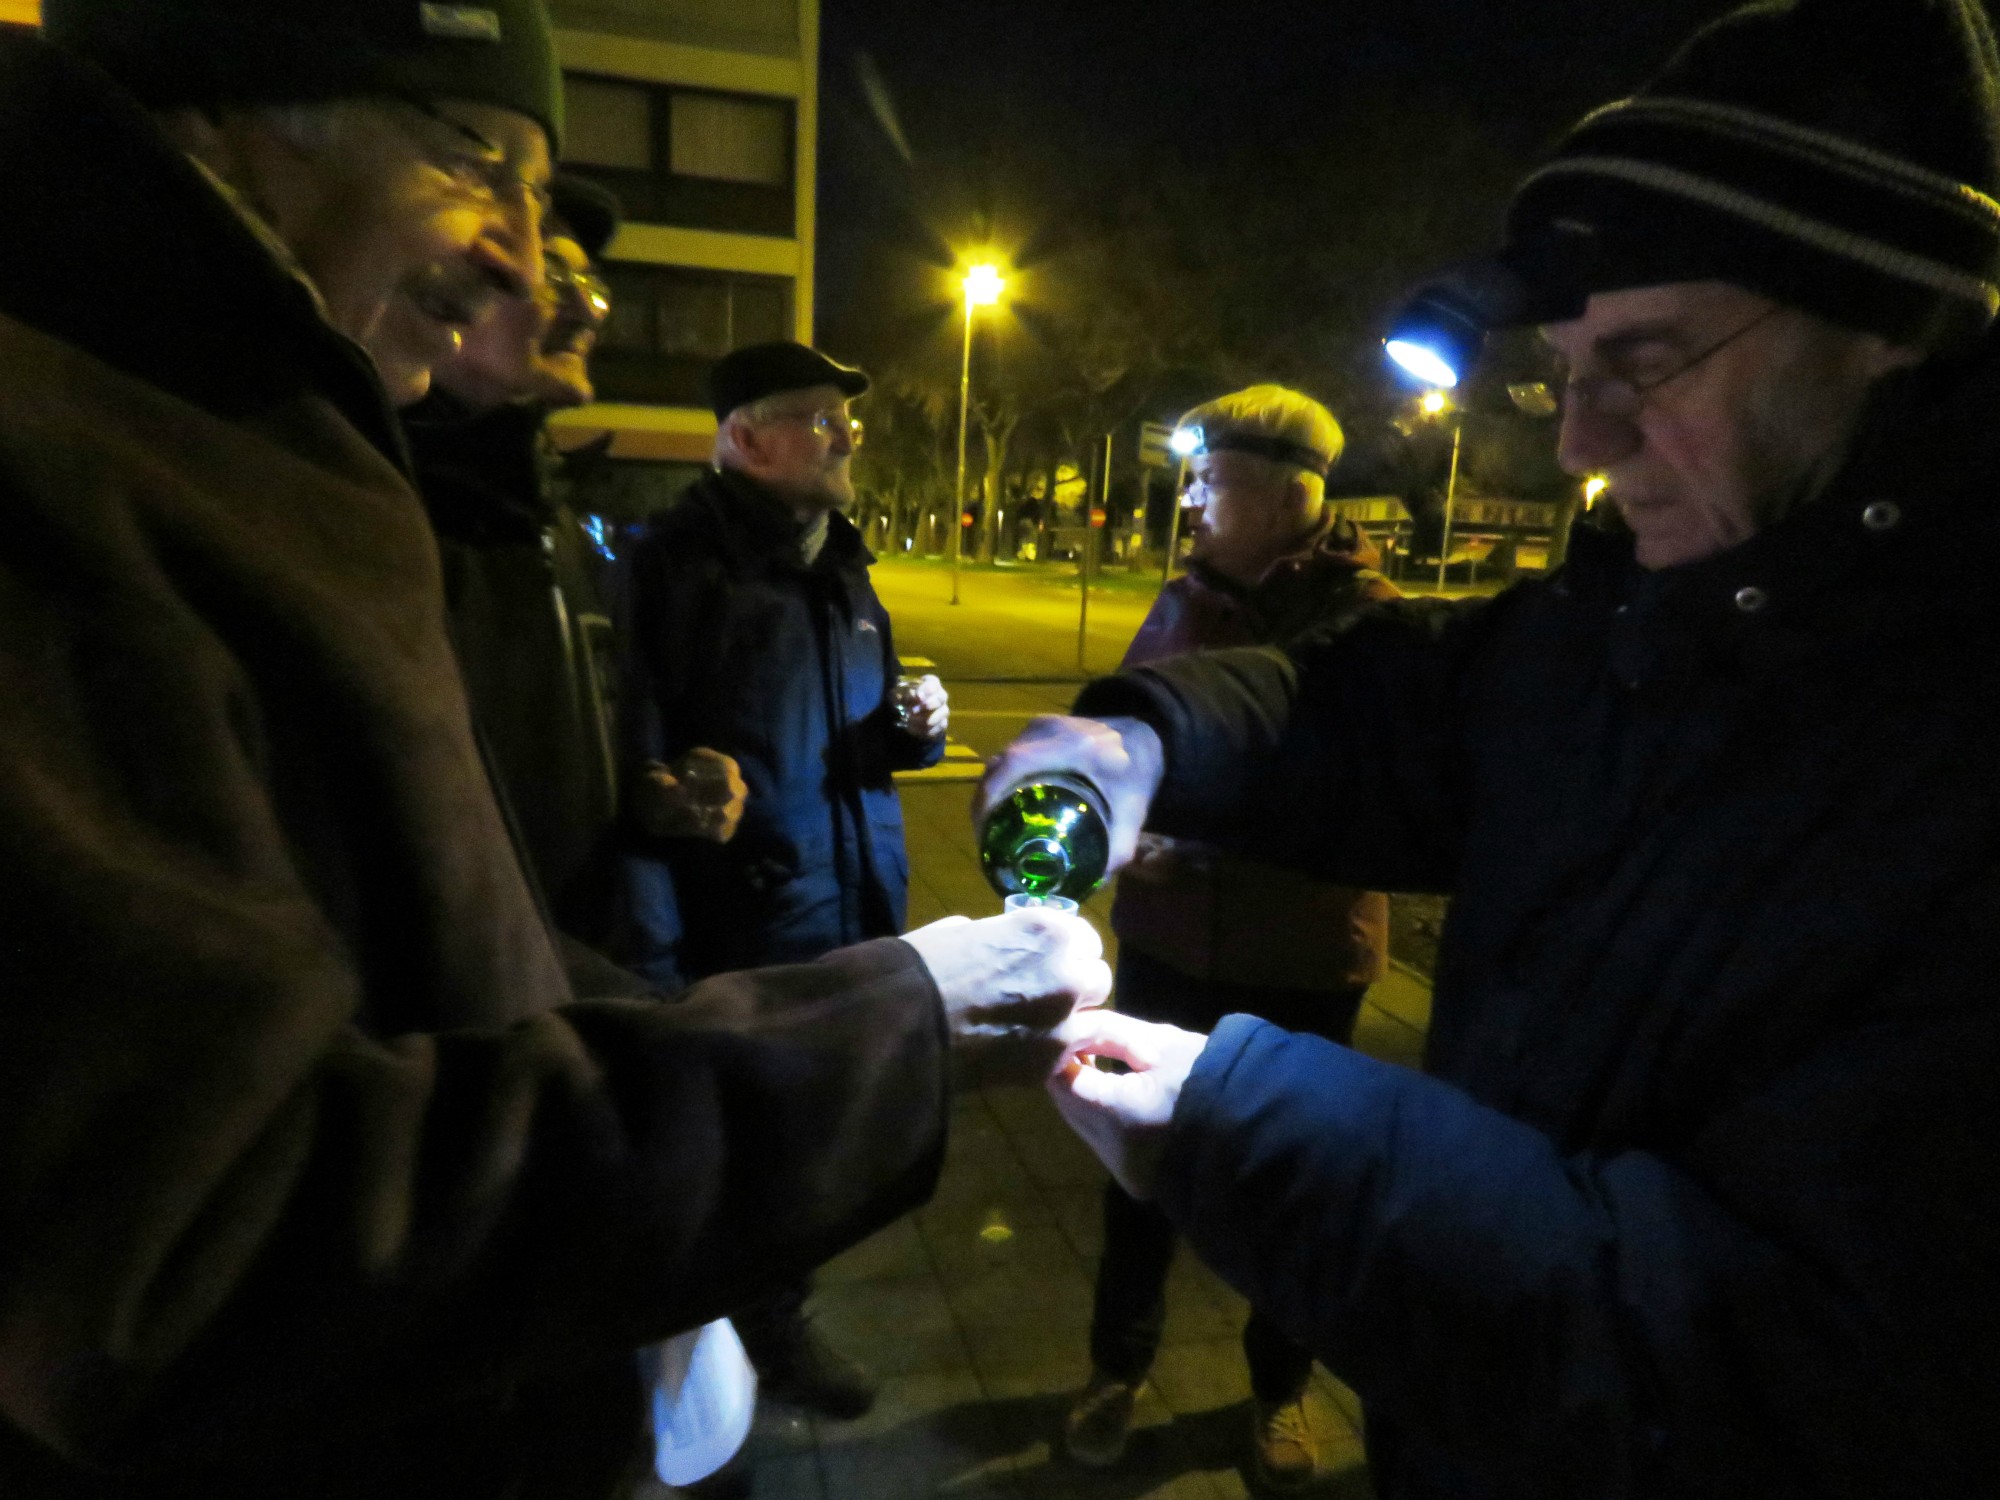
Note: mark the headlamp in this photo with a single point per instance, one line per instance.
(1234, 440)
(1439, 331)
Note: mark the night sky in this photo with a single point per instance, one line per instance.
(1192, 80)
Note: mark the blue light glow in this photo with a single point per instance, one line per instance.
(1422, 361)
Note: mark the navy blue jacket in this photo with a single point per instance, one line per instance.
(738, 645)
(1702, 1197)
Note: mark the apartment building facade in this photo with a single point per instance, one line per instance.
(703, 117)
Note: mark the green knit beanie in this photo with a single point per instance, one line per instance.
(197, 52)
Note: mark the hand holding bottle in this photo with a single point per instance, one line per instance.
(1121, 758)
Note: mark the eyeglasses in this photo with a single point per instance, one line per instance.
(1623, 398)
(565, 281)
(477, 168)
(828, 424)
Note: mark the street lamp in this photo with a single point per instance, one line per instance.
(1436, 403)
(983, 285)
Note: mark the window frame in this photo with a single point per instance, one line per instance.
(654, 377)
(662, 196)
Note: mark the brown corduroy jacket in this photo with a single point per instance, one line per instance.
(1214, 915)
(315, 1179)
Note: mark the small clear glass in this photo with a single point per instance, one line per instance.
(906, 700)
(1022, 901)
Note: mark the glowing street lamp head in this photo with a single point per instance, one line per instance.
(1185, 442)
(1422, 361)
(983, 285)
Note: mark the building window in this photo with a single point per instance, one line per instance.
(608, 125)
(685, 157)
(729, 140)
(669, 325)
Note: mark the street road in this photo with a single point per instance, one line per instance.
(1011, 622)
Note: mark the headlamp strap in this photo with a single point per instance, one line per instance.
(1284, 451)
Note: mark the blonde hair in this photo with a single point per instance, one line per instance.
(1275, 411)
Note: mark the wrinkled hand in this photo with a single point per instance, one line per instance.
(923, 708)
(1123, 1117)
(1013, 985)
(1122, 757)
(699, 796)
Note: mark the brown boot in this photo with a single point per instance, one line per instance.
(1283, 1453)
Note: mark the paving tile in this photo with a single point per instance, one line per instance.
(1055, 1157)
(1079, 1213)
(1404, 996)
(929, 1434)
(893, 1327)
(780, 1432)
(1201, 1375)
(796, 1477)
(1019, 1302)
(1157, 1464)
(1194, 1315)
(967, 1207)
(995, 1179)
(1054, 1362)
(1042, 1250)
(897, 1251)
(1192, 1276)
(1017, 1106)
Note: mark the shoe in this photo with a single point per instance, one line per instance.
(1283, 1453)
(1099, 1420)
(808, 1371)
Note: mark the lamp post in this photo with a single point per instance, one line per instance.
(982, 285)
(1435, 403)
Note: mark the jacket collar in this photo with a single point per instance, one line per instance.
(119, 245)
(754, 526)
(1314, 552)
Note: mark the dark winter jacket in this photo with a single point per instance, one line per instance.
(314, 1180)
(534, 643)
(737, 644)
(1700, 1198)
(1214, 915)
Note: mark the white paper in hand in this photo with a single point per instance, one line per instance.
(704, 1393)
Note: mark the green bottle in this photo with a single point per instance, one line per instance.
(1047, 836)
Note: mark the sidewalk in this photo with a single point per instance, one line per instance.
(975, 1310)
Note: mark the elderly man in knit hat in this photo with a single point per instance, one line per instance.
(1698, 1198)
(315, 1178)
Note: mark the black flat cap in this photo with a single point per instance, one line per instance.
(591, 213)
(751, 374)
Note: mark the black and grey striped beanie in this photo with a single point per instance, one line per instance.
(1840, 156)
